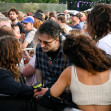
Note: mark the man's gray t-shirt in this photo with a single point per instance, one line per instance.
(29, 38)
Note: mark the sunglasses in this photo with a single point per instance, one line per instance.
(45, 42)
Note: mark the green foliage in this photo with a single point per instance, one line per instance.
(71, 4)
(33, 7)
(51, 1)
(27, 1)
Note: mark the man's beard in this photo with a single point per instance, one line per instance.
(13, 20)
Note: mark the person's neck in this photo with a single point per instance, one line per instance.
(56, 47)
(75, 23)
(15, 21)
(30, 29)
(63, 25)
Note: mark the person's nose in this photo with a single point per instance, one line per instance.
(23, 24)
(42, 44)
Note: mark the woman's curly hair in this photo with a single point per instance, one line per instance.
(10, 55)
(83, 52)
(99, 21)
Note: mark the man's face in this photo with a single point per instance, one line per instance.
(13, 16)
(53, 18)
(74, 18)
(47, 43)
(58, 21)
(27, 26)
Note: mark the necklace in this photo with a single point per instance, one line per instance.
(50, 60)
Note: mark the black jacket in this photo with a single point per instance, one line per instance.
(10, 87)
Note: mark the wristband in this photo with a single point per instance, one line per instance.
(36, 85)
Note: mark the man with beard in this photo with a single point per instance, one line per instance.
(13, 15)
(28, 26)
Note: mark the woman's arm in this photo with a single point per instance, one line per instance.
(51, 98)
(9, 86)
(62, 82)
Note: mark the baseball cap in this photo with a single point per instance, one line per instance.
(77, 15)
(38, 15)
(28, 20)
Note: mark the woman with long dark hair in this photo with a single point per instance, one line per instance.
(99, 26)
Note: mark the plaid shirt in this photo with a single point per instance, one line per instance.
(50, 71)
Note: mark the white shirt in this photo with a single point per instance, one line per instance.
(105, 43)
(68, 28)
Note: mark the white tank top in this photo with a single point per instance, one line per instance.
(90, 94)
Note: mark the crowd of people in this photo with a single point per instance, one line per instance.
(68, 53)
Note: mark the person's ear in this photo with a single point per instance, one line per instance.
(17, 16)
(57, 39)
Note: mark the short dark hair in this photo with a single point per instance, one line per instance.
(52, 14)
(50, 28)
(62, 19)
(14, 25)
(13, 10)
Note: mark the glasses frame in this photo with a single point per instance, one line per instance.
(45, 42)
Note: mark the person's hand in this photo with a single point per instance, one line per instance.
(31, 53)
(26, 55)
(40, 93)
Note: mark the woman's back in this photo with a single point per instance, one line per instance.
(91, 92)
(95, 107)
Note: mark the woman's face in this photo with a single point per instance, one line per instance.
(17, 32)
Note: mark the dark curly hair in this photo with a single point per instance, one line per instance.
(50, 28)
(10, 55)
(99, 21)
(83, 52)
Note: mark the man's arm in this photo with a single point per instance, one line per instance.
(39, 76)
(28, 39)
(40, 80)
(22, 37)
(24, 45)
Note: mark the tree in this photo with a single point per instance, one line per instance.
(72, 3)
(33, 1)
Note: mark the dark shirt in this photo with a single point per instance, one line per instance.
(77, 27)
(52, 55)
(21, 27)
(50, 70)
(10, 87)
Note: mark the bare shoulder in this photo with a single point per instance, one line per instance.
(67, 70)
(66, 74)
